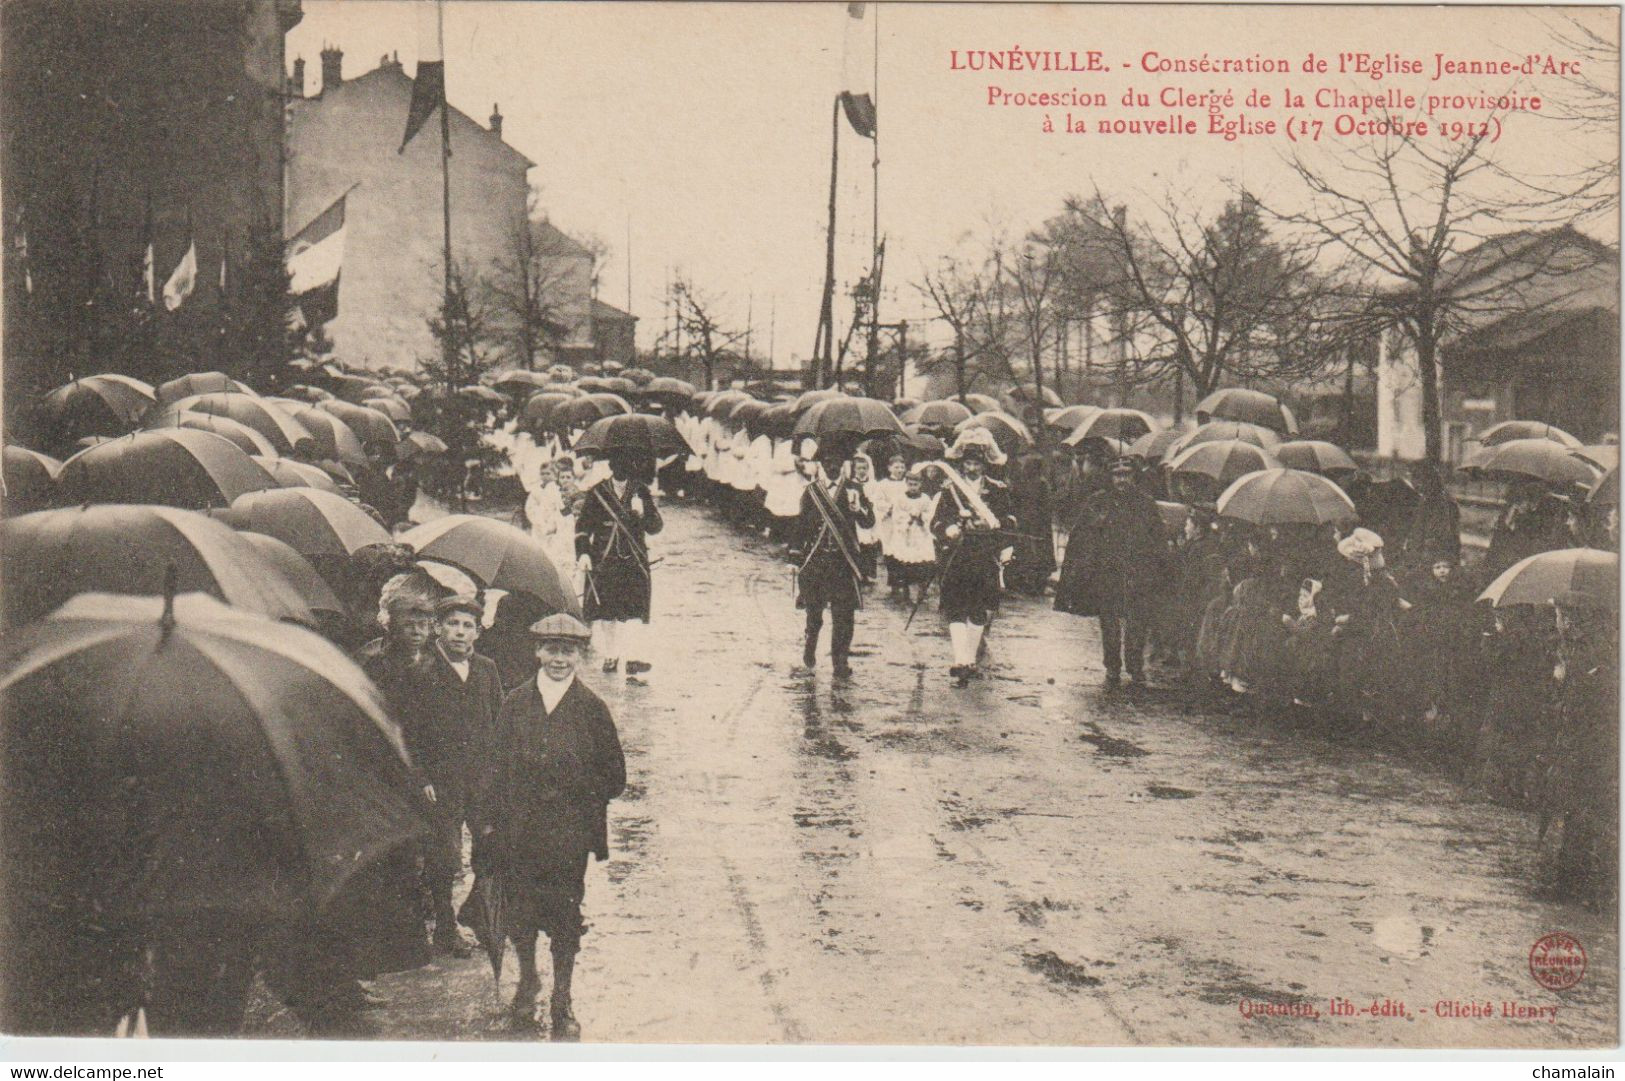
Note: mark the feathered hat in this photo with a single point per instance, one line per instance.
(980, 441)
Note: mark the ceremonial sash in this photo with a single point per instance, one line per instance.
(830, 514)
(618, 523)
(964, 493)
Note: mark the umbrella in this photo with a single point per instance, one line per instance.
(30, 479)
(421, 442)
(1601, 455)
(1538, 459)
(483, 394)
(1152, 446)
(1583, 577)
(1215, 430)
(494, 918)
(639, 433)
(312, 522)
(809, 398)
(246, 438)
(864, 418)
(371, 424)
(595, 384)
(1023, 395)
(194, 383)
(497, 554)
(748, 415)
(177, 467)
(560, 373)
(1008, 432)
(943, 414)
(722, 402)
(1067, 418)
(618, 384)
(1315, 456)
(903, 405)
(296, 569)
(1222, 460)
(1285, 497)
(581, 412)
(1508, 430)
(291, 474)
(267, 418)
(1101, 447)
(96, 405)
(392, 408)
(538, 409)
(308, 393)
(982, 403)
(923, 446)
(1605, 493)
(677, 390)
(638, 376)
(222, 762)
(1125, 424)
(334, 437)
(121, 548)
(1248, 406)
(778, 420)
(519, 381)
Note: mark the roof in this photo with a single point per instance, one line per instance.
(608, 313)
(1498, 251)
(391, 70)
(551, 240)
(1523, 328)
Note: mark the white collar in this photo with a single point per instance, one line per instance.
(551, 690)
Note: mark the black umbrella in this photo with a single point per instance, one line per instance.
(807, 399)
(678, 391)
(943, 414)
(859, 418)
(265, 417)
(30, 479)
(582, 412)
(199, 383)
(95, 405)
(1249, 407)
(246, 438)
(178, 467)
(637, 433)
(370, 424)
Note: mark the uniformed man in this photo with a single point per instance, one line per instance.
(829, 572)
(540, 808)
(612, 551)
(973, 527)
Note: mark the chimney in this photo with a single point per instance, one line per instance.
(496, 121)
(296, 85)
(332, 68)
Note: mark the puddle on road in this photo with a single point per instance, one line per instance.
(1057, 970)
(1164, 791)
(1111, 746)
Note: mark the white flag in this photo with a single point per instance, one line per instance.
(183, 280)
(149, 275)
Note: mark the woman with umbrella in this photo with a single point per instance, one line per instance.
(972, 525)
(617, 517)
(539, 810)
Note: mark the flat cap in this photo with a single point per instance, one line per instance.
(561, 625)
(460, 602)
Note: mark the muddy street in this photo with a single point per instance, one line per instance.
(1030, 860)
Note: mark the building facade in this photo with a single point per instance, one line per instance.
(345, 142)
(129, 121)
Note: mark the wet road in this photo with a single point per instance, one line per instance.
(1026, 861)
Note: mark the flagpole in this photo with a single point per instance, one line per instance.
(823, 362)
(874, 235)
(449, 344)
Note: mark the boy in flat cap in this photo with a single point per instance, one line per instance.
(540, 808)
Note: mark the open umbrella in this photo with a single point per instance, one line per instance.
(983, 403)
(1067, 418)
(595, 384)
(637, 433)
(1023, 395)
(95, 405)
(809, 398)
(903, 405)
(1582, 577)
(482, 394)
(221, 762)
(394, 409)
(1218, 430)
(1508, 430)
(922, 445)
(1153, 446)
(177, 467)
(778, 420)
(638, 376)
(297, 571)
(1125, 424)
(1601, 455)
(1223, 460)
(1248, 406)
(1544, 460)
(246, 438)
(1285, 497)
(1010, 434)
(50, 555)
(267, 418)
(1315, 456)
(417, 443)
(943, 414)
(370, 424)
(194, 383)
(291, 474)
(748, 415)
(334, 437)
(496, 554)
(858, 418)
(1605, 493)
(312, 522)
(722, 402)
(519, 381)
(30, 479)
(305, 392)
(538, 409)
(582, 412)
(676, 391)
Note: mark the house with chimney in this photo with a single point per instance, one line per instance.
(344, 146)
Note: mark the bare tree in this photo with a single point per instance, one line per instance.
(536, 294)
(1586, 102)
(1032, 273)
(700, 332)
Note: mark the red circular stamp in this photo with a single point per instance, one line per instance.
(1557, 961)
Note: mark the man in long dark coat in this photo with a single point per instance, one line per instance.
(540, 808)
(1114, 556)
(617, 517)
(829, 572)
(973, 527)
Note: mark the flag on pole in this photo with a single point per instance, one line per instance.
(149, 269)
(857, 96)
(429, 87)
(315, 258)
(183, 279)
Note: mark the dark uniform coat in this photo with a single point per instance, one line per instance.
(543, 790)
(614, 535)
(1116, 554)
(823, 574)
(970, 562)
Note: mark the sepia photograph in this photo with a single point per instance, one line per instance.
(900, 524)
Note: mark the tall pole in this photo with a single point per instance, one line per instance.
(874, 234)
(823, 361)
(450, 345)
(629, 261)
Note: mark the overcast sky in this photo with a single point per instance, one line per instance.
(707, 127)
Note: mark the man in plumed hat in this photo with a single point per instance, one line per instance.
(540, 808)
(1116, 554)
(612, 550)
(973, 528)
(829, 568)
